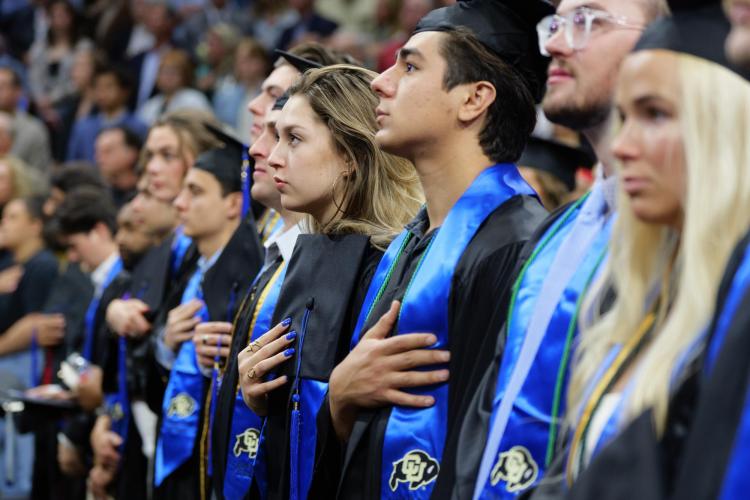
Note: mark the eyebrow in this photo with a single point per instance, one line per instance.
(590, 5)
(405, 52)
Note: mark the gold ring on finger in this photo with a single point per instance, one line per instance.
(255, 346)
(251, 374)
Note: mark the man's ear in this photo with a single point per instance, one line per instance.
(234, 205)
(478, 97)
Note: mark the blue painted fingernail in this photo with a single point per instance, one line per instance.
(287, 322)
(291, 335)
(288, 353)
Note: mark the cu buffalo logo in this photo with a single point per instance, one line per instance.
(516, 467)
(417, 469)
(116, 412)
(247, 442)
(181, 406)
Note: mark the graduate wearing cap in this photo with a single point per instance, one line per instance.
(210, 207)
(235, 430)
(446, 105)
(550, 167)
(635, 431)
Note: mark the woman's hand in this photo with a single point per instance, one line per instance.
(212, 338)
(258, 359)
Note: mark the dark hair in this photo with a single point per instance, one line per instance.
(124, 80)
(75, 174)
(34, 206)
(76, 22)
(129, 136)
(84, 208)
(512, 117)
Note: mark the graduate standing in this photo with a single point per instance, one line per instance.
(530, 373)
(356, 197)
(635, 368)
(210, 207)
(447, 105)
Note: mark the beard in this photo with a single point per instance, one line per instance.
(578, 116)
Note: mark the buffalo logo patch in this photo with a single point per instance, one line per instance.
(116, 412)
(417, 468)
(181, 406)
(247, 442)
(516, 467)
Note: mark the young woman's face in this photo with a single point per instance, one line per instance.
(650, 143)
(165, 165)
(308, 170)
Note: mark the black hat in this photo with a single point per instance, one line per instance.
(507, 27)
(557, 158)
(224, 162)
(696, 27)
(298, 62)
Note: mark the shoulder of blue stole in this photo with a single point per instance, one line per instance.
(322, 276)
(226, 281)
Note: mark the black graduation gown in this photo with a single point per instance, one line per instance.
(478, 304)
(691, 458)
(475, 425)
(230, 275)
(39, 273)
(224, 405)
(329, 276)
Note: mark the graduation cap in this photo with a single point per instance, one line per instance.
(298, 62)
(696, 27)
(224, 162)
(506, 27)
(557, 158)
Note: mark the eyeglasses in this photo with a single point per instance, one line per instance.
(578, 25)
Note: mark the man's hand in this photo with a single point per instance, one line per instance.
(127, 317)
(89, 391)
(376, 370)
(99, 478)
(50, 328)
(104, 442)
(212, 338)
(181, 323)
(9, 278)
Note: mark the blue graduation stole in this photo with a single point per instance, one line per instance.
(531, 381)
(88, 342)
(183, 399)
(415, 437)
(245, 176)
(118, 403)
(739, 286)
(244, 456)
(180, 245)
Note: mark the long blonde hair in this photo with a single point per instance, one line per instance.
(714, 118)
(381, 191)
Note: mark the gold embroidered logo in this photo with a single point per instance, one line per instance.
(417, 468)
(247, 442)
(182, 406)
(116, 412)
(516, 467)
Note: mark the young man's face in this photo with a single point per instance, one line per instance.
(201, 208)
(17, 226)
(581, 82)
(132, 239)
(86, 248)
(108, 94)
(264, 188)
(280, 79)
(113, 156)
(415, 111)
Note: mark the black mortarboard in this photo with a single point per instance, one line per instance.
(557, 158)
(298, 62)
(224, 162)
(696, 27)
(507, 27)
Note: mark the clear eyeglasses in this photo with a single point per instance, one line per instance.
(578, 25)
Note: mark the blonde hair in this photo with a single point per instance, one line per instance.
(381, 191)
(716, 212)
(22, 182)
